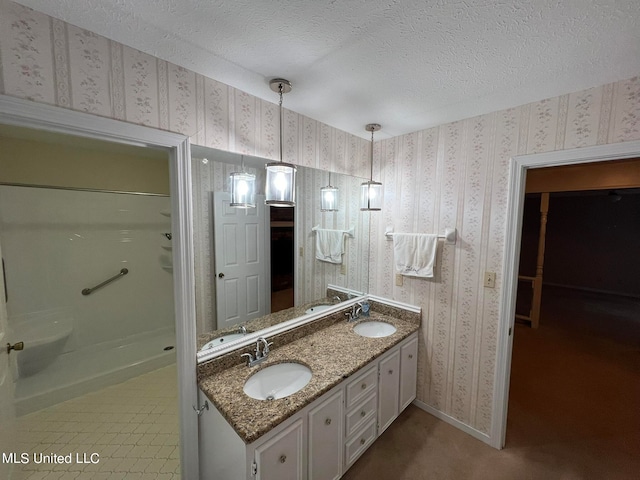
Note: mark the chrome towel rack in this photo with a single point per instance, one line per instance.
(350, 232)
(88, 291)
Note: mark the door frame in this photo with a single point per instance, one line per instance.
(26, 113)
(515, 203)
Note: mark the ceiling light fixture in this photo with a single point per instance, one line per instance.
(281, 177)
(329, 198)
(371, 192)
(243, 188)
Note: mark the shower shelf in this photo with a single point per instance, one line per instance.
(167, 247)
(165, 213)
(168, 268)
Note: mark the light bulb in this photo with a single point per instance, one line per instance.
(280, 182)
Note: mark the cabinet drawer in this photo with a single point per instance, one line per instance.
(361, 386)
(359, 443)
(361, 414)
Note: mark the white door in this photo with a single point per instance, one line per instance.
(7, 414)
(241, 261)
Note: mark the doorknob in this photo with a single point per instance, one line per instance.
(221, 275)
(16, 346)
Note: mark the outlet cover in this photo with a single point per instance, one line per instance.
(490, 279)
(399, 279)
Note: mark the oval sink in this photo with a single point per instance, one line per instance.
(222, 340)
(277, 381)
(318, 308)
(374, 329)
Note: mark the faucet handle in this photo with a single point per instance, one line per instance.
(250, 358)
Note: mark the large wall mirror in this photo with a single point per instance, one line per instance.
(258, 267)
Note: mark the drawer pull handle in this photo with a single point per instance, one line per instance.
(364, 385)
(363, 413)
(283, 458)
(327, 421)
(362, 441)
(390, 372)
(411, 355)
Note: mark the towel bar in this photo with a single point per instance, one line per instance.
(450, 235)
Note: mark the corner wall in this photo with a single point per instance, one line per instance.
(456, 175)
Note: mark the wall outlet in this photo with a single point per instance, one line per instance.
(301, 250)
(490, 279)
(343, 269)
(399, 279)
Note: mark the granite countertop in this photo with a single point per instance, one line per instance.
(333, 354)
(263, 322)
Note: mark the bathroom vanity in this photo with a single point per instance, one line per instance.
(358, 387)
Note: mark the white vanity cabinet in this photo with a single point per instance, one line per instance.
(325, 437)
(321, 441)
(388, 389)
(408, 371)
(281, 456)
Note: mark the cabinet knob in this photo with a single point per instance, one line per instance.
(411, 355)
(390, 372)
(327, 421)
(362, 441)
(364, 385)
(363, 413)
(283, 458)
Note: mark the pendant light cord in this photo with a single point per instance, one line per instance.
(280, 88)
(371, 176)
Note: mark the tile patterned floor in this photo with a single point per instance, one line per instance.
(132, 426)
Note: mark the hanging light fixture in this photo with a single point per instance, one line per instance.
(281, 177)
(371, 192)
(243, 188)
(329, 198)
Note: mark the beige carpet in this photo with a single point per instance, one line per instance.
(574, 409)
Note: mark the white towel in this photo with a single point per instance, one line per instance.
(415, 254)
(329, 245)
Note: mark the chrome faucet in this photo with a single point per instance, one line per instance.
(354, 314)
(242, 329)
(337, 299)
(260, 355)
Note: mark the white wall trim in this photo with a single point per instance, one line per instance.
(515, 203)
(483, 437)
(25, 113)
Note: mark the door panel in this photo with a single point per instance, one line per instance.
(241, 248)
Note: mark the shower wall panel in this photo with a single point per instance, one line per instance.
(56, 243)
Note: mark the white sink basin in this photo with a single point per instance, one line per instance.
(318, 308)
(277, 381)
(221, 340)
(374, 329)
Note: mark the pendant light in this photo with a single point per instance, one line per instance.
(243, 188)
(371, 192)
(281, 177)
(329, 198)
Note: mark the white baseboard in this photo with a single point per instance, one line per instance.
(483, 437)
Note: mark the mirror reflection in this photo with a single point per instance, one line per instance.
(259, 266)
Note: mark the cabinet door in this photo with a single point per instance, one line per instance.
(325, 439)
(388, 386)
(281, 456)
(408, 373)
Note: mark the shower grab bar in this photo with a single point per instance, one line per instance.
(88, 291)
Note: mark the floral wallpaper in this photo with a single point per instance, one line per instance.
(456, 176)
(50, 61)
(453, 175)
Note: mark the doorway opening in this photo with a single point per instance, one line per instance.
(282, 257)
(575, 371)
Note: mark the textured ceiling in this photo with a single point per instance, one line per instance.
(408, 64)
